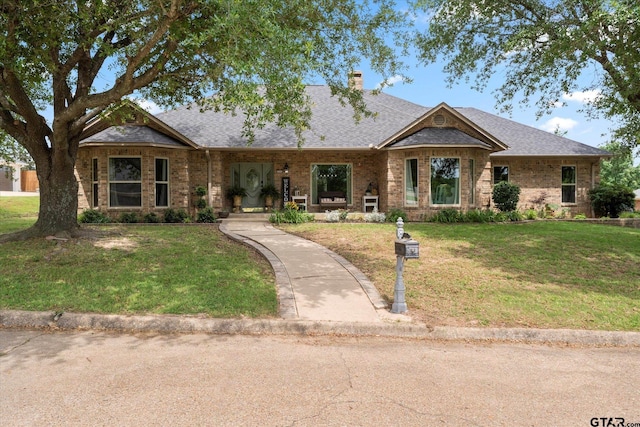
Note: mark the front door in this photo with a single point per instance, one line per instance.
(252, 177)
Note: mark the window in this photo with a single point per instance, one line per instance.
(330, 178)
(411, 182)
(94, 181)
(445, 181)
(568, 184)
(472, 182)
(125, 181)
(500, 173)
(162, 182)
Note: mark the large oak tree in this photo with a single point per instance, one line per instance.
(543, 49)
(83, 57)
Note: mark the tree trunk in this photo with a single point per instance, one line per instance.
(58, 201)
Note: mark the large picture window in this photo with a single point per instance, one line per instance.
(162, 182)
(568, 184)
(445, 181)
(125, 181)
(411, 182)
(330, 178)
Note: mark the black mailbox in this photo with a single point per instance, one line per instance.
(408, 248)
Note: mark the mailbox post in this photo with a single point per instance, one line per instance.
(405, 248)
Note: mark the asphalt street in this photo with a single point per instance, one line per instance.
(117, 379)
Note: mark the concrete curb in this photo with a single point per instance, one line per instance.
(184, 324)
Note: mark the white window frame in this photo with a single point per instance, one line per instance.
(156, 182)
(412, 203)
(110, 181)
(432, 196)
(574, 185)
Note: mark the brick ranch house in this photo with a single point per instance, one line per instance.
(415, 158)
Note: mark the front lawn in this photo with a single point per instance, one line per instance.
(543, 274)
(138, 269)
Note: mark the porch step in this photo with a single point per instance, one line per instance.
(247, 217)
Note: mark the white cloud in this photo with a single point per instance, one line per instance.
(584, 97)
(561, 124)
(150, 106)
(391, 81)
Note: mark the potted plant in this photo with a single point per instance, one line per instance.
(269, 192)
(236, 193)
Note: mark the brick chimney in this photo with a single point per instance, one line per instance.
(355, 80)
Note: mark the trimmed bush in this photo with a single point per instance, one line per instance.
(174, 216)
(610, 201)
(128, 218)
(93, 216)
(206, 216)
(151, 218)
(375, 216)
(506, 196)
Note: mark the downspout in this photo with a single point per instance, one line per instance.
(209, 195)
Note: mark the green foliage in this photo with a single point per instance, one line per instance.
(580, 216)
(151, 218)
(254, 54)
(236, 190)
(206, 215)
(270, 190)
(395, 213)
(619, 170)
(541, 49)
(506, 196)
(93, 216)
(630, 215)
(610, 201)
(474, 216)
(201, 203)
(128, 218)
(290, 215)
(174, 216)
(530, 214)
(200, 191)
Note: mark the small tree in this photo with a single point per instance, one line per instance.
(506, 196)
(609, 200)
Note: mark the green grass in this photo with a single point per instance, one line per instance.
(133, 269)
(17, 213)
(540, 274)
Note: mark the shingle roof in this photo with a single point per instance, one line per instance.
(333, 127)
(525, 140)
(440, 137)
(132, 134)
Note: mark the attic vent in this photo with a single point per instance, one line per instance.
(439, 120)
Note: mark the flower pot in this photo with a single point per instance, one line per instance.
(237, 204)
(268, 202)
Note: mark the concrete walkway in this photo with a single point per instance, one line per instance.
(314, 283)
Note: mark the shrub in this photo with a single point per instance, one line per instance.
(93, 216)
(630, 215)
(206, 216)
(201, 203)
(290, 215)
(580, 216)
(332, 216)
(506, 196)
(530, 214)
(128, 218)
(395, 213)
(375, 216)
(151, 218)
(608, 200)
(513, 216)
(173, 216)
(447, 216)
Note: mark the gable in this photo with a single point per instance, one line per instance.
(129, 124)
(443, 126)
